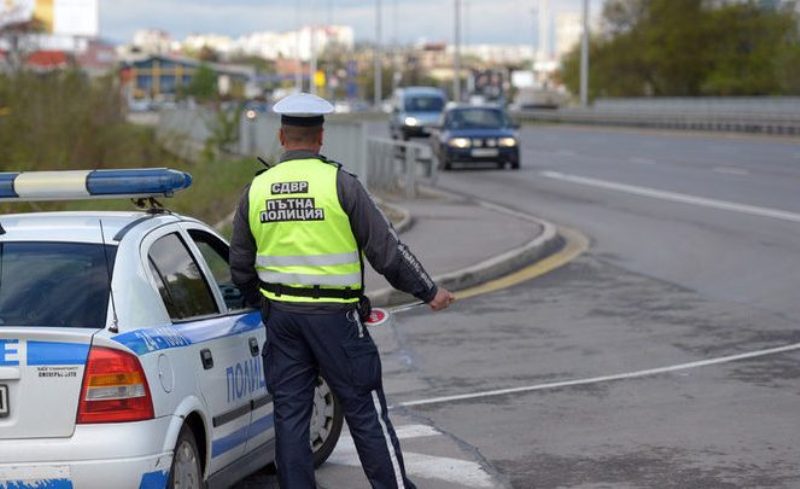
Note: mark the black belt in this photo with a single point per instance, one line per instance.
(315, 292)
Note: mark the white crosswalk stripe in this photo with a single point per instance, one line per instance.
(465, 473)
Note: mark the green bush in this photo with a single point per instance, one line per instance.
(65, 121)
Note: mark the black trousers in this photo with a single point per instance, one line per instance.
(298, 348)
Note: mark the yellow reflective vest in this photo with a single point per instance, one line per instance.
(306, 251)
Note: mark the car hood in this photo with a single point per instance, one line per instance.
(480, 133)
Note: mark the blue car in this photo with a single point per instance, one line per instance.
(476, 134)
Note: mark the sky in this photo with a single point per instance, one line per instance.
(404, 21)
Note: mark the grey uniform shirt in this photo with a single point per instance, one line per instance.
(372, 230)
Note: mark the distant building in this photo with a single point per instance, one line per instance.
(60, 34)
(50, 53)
(152, 41)
(223, 45)
(160, 76)
(294, 44)
(569, 27)
(498, 54)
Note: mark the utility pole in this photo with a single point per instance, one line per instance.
(543, 49)
(313, 63)
(457, 54)
(378, 75)
(585, 56)
(298, 74)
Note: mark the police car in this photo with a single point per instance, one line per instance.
(127, 356)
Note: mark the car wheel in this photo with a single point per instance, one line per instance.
(445, 163)
(326, 422)
(187, 471)
(515, 165)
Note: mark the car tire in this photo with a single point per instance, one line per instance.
(515, 165)
(186, 471)
(445, 163)
(326, 422)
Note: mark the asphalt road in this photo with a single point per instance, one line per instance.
(695, 255)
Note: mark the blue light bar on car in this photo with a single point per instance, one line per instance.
(92, 184)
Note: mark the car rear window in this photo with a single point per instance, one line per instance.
(424, 103)
(478, 119)
(55, 284)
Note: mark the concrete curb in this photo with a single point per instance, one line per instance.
(503, 264)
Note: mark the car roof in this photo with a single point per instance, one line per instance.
(77, 226)
(462, 106)
(420, 91)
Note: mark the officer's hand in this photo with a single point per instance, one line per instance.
(442, 299)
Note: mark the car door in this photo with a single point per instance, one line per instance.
(244, 379)
(197, 312)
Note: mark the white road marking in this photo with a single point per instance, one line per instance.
(642, 161)
(731, 170)
(461, 472)
(676, 197)
(606, 378)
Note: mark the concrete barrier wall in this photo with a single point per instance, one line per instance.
(770, 115)
(379, 163)
(185, 132)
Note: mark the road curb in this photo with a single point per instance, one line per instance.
(503, 264)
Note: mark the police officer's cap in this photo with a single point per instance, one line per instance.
(303, 109)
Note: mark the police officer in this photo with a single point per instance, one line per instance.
(299, 235)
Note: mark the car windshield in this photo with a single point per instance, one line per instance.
(54, 284)
(477, 119)
(424, 103)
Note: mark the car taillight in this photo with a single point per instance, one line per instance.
(114, 389)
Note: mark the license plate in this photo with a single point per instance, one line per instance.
(484, 152)
(3, 401)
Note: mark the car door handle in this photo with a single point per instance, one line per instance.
(206, 358)
(253, 346)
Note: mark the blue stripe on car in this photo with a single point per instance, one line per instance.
(233, 440)
(154, 480)
(148, 340)
(52, 353)
(37, 484)
(7, 189)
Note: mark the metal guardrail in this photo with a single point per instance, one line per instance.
(383, 164)
(768, 115)
(344, 141)
(396, 165)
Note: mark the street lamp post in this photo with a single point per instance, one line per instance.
(313, 63)
(585, 56)
(457, 53)
(298, 74)
(378, 75)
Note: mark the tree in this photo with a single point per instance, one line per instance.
(689, 48)
(203, 86)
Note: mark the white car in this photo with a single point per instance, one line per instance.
(157, 384)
